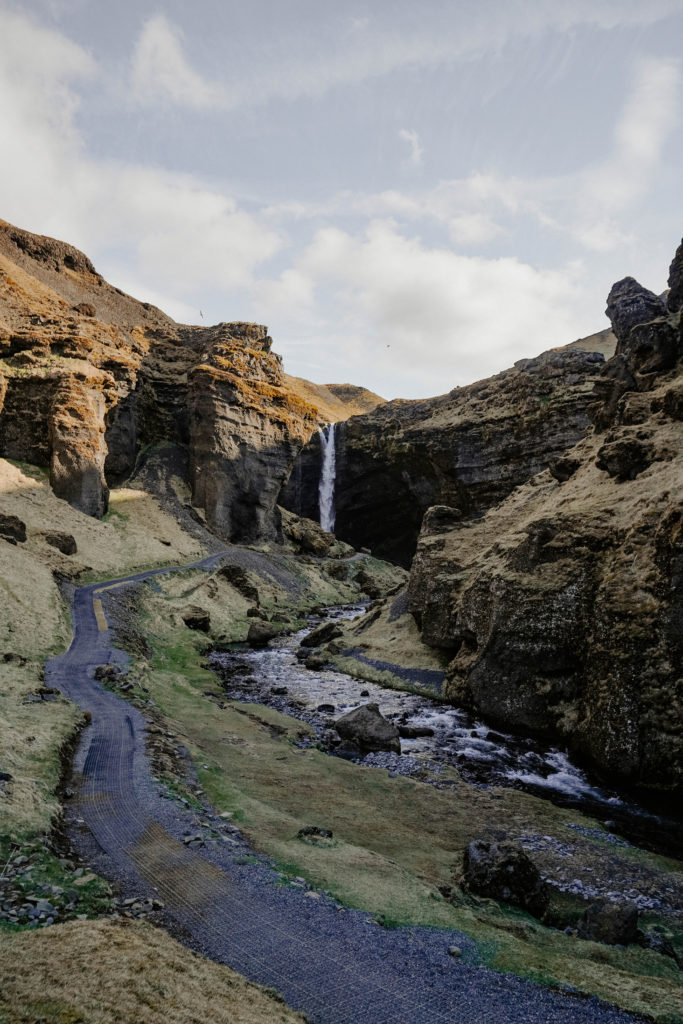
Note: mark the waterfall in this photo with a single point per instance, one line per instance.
(327, 475)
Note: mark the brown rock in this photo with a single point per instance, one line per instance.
(197, 618)
(260, 633)
(12, 528)
(64, 542)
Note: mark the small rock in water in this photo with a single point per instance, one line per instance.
(454, 951)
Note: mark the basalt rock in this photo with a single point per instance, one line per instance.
(674, 300)
(466, 450)
(562, 607)
(322, 634)
(90, 378)
(645, 339)
(197, 618)
(260, 633)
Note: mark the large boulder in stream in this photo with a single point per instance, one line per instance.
(322, 634)
(368, 730)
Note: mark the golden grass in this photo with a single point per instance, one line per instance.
(123, 972)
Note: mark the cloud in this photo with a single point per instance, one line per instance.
(177, 233)
(649, 116)
(336, 50)
(413, 140)
(446, 317)
(160, 71)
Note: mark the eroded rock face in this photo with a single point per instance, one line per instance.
(563, 606)
(675, 297)
(77, 448)
(90, 377)
(466, 450)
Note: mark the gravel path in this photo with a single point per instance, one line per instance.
(337, 966)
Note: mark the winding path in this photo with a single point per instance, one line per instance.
(336, 966)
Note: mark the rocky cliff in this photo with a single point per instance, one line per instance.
(468, 449)
(563, 606)
(90, 377)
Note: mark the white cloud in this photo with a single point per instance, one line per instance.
(446, 317)
(178, 233)
(413, 140)
(650, 114)
(161, 72)
(336, 51)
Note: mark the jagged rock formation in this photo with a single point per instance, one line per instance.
(563, 606)
(89, 377)
(467, 449)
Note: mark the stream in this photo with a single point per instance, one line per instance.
(449, 737)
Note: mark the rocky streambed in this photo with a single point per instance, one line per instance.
(436, 737)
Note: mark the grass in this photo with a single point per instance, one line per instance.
(111, 972)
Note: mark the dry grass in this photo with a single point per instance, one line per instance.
(123, 972)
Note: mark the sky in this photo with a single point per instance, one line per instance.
(410, 196)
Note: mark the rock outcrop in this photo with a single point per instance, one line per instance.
(468, 449)
(89, 377)
(563, 607)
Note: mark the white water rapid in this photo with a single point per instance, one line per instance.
(327, 475)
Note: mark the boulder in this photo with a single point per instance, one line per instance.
(197, 618)
(322, 634)
(12, 529)
(503, 871)
(613, 923)
(260, 633)
(645, 338)
(64, 542)
(368, 730)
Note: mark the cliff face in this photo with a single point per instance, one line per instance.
(468, 449)
(89, 376)
(563, 606)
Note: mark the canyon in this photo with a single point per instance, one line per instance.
(509, 558)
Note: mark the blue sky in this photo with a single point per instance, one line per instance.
(410, 196)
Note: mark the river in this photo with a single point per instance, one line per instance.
(483, 756)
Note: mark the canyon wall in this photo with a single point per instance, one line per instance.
(468, 449)
(89, 378)
(563, 606)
